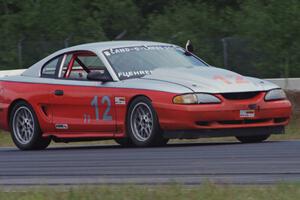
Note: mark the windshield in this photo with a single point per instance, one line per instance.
(134, 62)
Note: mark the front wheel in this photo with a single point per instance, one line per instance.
(25, 129)
(252, 139)
(142, 124)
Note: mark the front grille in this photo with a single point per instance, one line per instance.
(246, 121)
(280, 120)
(240, 95)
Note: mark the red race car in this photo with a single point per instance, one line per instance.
(138, 93)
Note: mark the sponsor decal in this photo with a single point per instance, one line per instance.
(137, 73)
(62, 126)
(86, 118)
(115, 51)
(120, 100)
(107, 53)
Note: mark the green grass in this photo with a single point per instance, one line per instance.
(205, 192)
(5, 139)
(292, 131)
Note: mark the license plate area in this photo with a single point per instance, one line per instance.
(247, 113)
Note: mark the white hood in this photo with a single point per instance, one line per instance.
(210, 80)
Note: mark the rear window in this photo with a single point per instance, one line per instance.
(49, 70)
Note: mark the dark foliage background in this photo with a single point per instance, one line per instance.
(258, 37)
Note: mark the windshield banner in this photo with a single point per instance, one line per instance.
(136, 74)
(115, 51)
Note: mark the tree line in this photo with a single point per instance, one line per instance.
(253, 37)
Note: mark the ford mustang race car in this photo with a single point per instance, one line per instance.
(138, 93)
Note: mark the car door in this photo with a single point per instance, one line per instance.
(79, 105)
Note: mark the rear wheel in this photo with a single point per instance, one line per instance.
(25, 129)
(142, 124)
(252, 139)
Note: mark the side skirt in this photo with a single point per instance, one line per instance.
(78, 137)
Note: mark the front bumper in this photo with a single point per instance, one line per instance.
(194, 134)
(226, 115)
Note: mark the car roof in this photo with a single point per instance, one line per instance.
(96, 47)
(115, 44)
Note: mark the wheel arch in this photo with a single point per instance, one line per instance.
(37, 142)
(133, 98)
(11, 106)
(136, 96)
(156, 138)
(130, 102)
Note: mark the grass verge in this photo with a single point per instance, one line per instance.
(5, 139)
(205, 191)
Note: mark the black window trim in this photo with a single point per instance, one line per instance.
(59, 57)
(59, 65)
(79, 62)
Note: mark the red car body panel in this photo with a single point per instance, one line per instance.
(76, 104)
(224, 115)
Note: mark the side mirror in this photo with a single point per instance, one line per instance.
(189, 47)
(98, 76)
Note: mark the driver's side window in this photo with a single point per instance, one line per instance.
(77, 65)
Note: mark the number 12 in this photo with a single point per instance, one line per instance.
(104, 100)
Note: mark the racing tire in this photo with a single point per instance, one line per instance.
(142, 124)
(252, 139)
(25, 129)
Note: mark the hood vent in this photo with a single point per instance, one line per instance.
(240, 95)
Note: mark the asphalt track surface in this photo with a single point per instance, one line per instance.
(264, 163)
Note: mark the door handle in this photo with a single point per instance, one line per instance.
(59, 92)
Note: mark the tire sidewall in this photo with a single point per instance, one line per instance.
(156, 131)
(37, 131)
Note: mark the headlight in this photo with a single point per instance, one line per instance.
(277, 94)
(185, 99)
(207, 98)
(196, 99)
